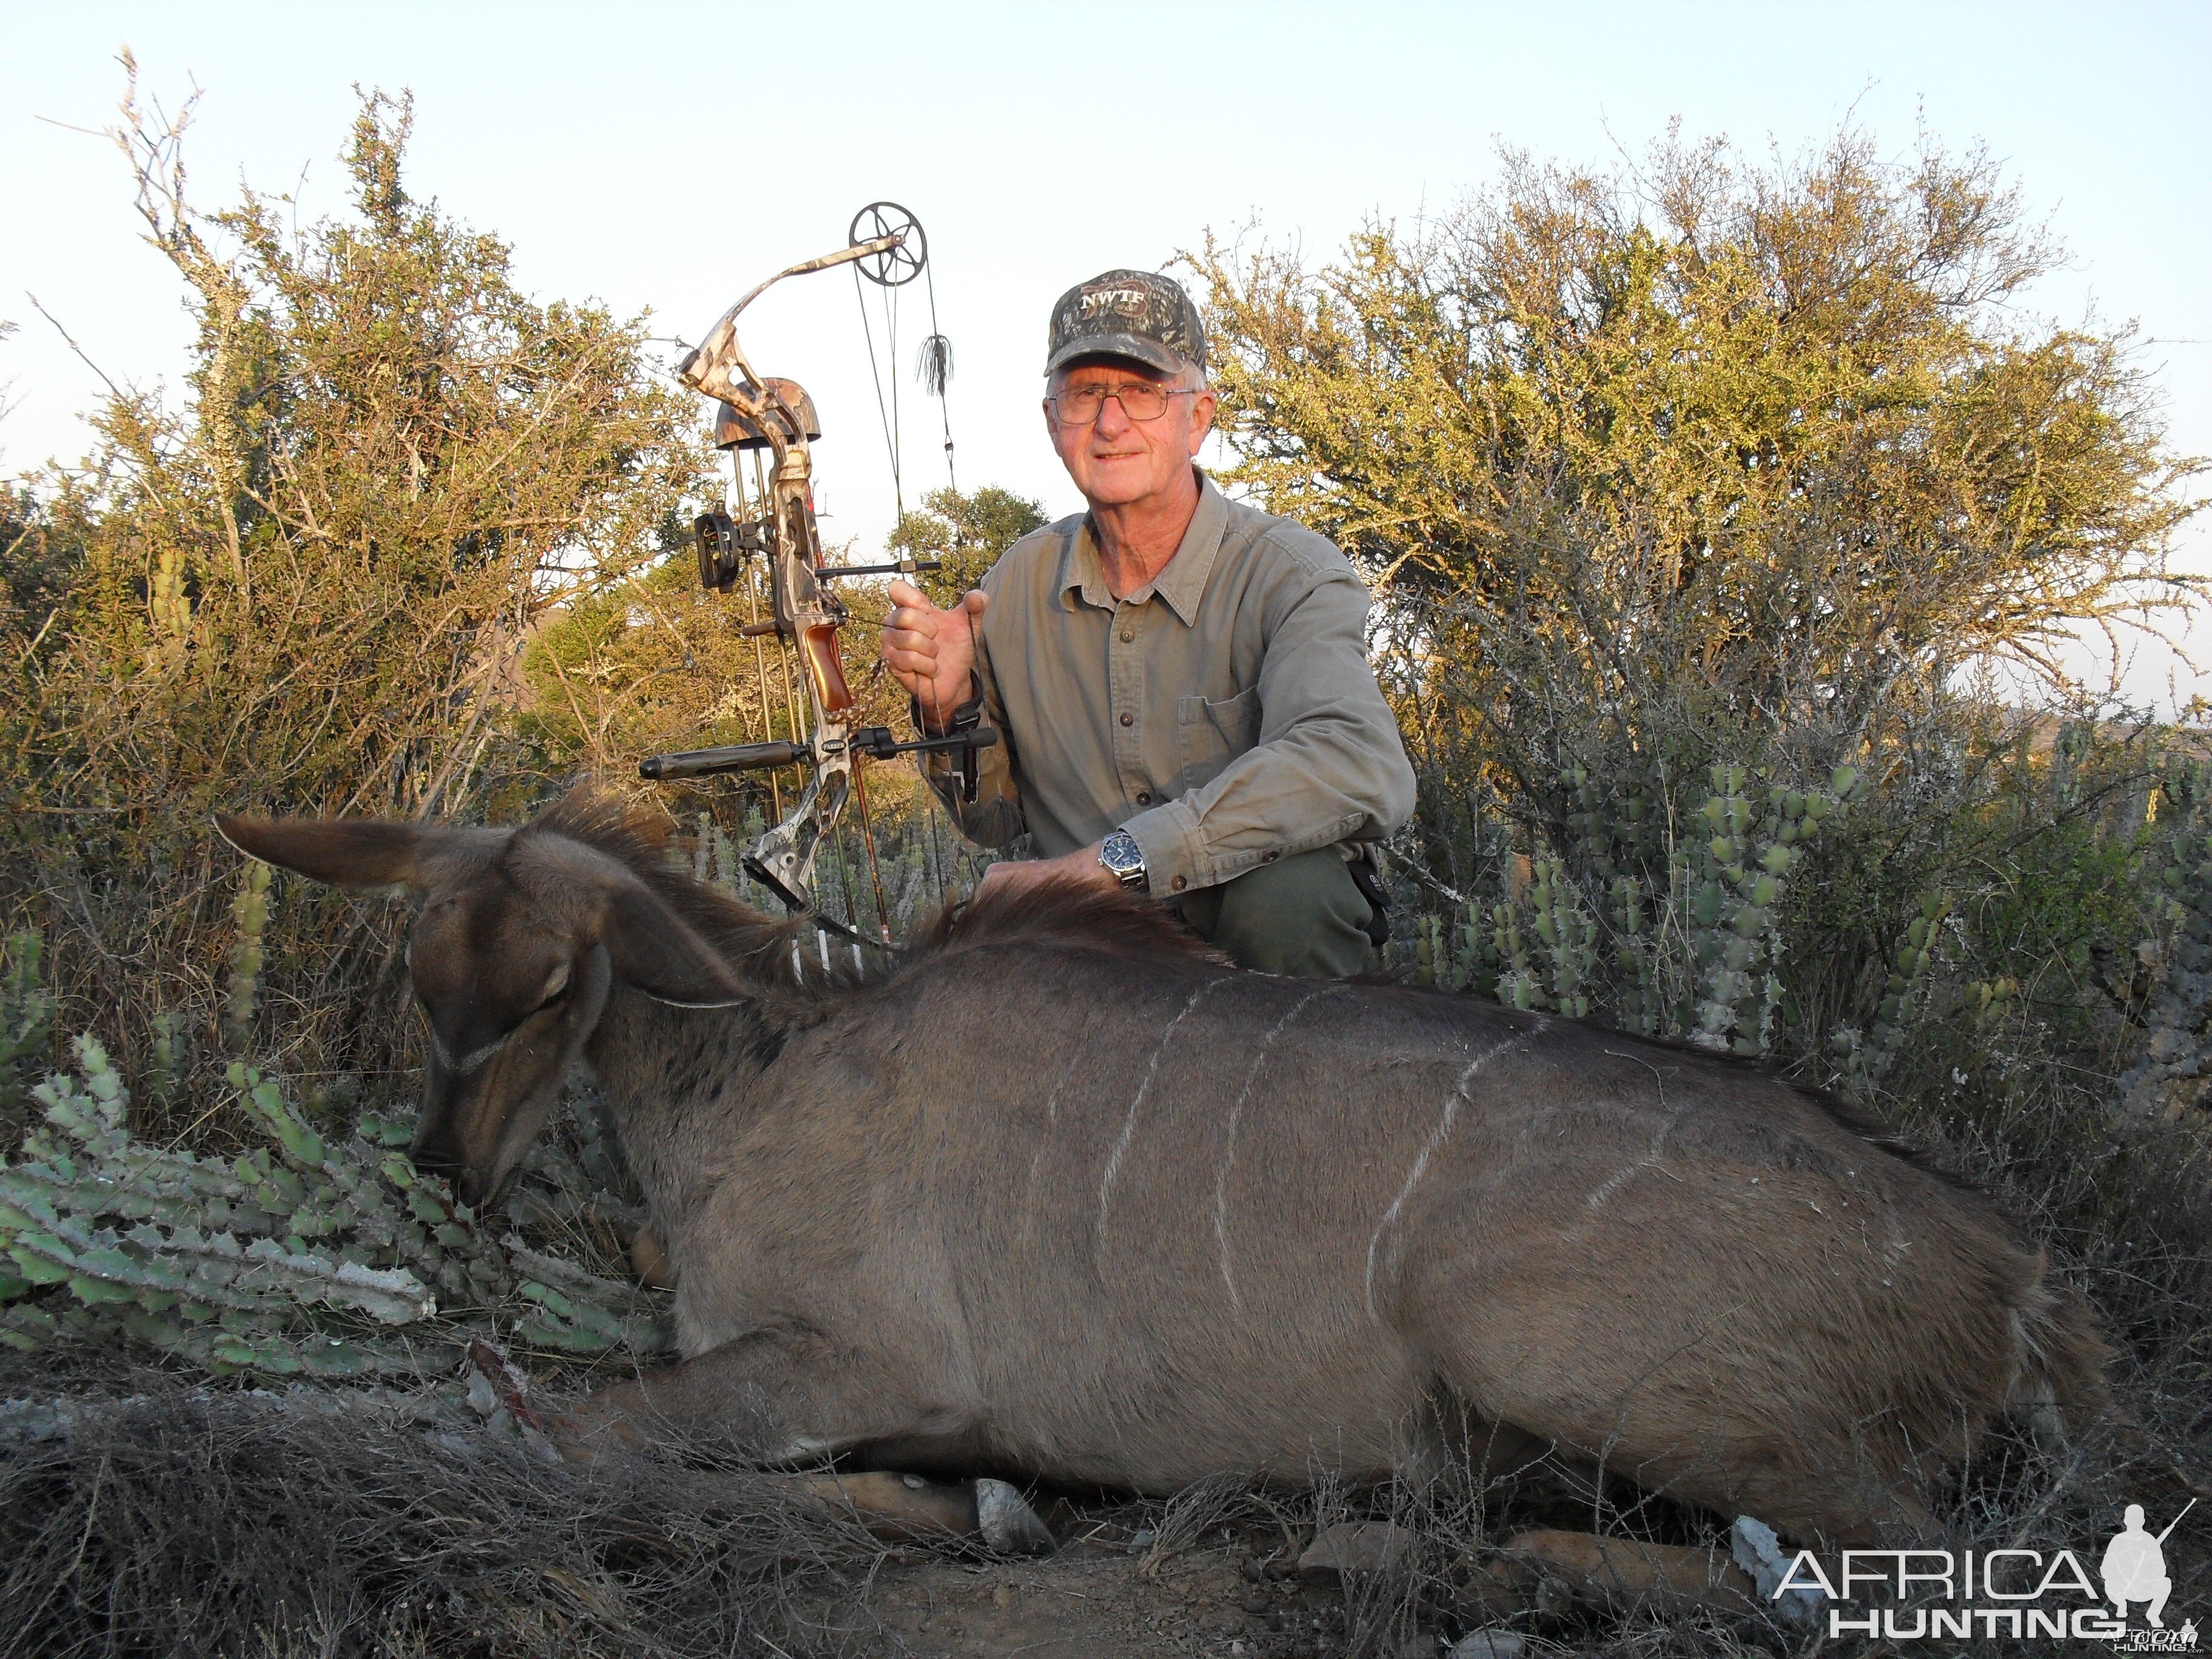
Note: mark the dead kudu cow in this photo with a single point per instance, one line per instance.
(1060, 1195)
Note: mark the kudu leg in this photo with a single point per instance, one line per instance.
(787, 1397)
(899, 1507)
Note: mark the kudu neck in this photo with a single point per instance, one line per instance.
(677, 1082)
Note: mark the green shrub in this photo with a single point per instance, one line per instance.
(26, 1018)
(303, 586)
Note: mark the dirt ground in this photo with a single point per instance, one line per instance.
(1233, 1595)
(1085, 1601)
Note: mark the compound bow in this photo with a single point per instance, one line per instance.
(762, 413)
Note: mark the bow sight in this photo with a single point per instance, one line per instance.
(773, 419)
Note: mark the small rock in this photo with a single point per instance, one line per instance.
(1759, 1554)
(1354, 1547)
(1488, 1644)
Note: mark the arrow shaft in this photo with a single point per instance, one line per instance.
(2176, 1522)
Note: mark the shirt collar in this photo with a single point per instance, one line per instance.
(1181, 583)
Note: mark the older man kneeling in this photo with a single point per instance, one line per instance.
(1181, 681)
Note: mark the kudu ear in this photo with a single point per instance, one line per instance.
(344, 852)
(655, 951)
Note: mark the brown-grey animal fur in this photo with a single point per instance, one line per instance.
(1059, 1194)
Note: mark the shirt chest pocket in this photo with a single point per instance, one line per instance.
(1209, 735)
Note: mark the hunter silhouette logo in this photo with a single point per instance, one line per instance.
(2134, 1567)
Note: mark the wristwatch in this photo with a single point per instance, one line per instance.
(1120, 854)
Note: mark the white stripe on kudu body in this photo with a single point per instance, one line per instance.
(1129, 1124)
(1428, 1150)
(1229, 1135)
(1067, 1070)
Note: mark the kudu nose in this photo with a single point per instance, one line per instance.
(438, 1148)
(436, 1157)
(434, 1154)
(472, 1189)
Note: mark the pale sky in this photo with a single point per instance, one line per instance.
(669, 156)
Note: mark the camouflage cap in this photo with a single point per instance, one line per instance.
(1139, 314)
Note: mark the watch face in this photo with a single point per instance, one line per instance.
(1120, 854)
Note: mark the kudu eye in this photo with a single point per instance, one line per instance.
(556, 990)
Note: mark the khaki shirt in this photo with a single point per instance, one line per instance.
(1225, 716)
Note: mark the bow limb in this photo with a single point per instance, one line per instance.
(707, 367)
(783, 859)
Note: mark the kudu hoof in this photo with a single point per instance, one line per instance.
(587, 1438)
(1007, 1523)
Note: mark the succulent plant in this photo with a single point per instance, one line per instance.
(310, 1254)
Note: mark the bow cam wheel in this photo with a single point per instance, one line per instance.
(894, 267)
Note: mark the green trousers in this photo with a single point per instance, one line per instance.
(1302, 917)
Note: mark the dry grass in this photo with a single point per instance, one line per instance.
(162, 1518)
(192, 1522)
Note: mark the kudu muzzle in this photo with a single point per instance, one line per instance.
(482, 1110)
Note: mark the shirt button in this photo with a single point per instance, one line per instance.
(1128, 720)
(1144, 798)
(1128, 633)
(1179, 883)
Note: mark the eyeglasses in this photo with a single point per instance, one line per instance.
(1141, 400)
